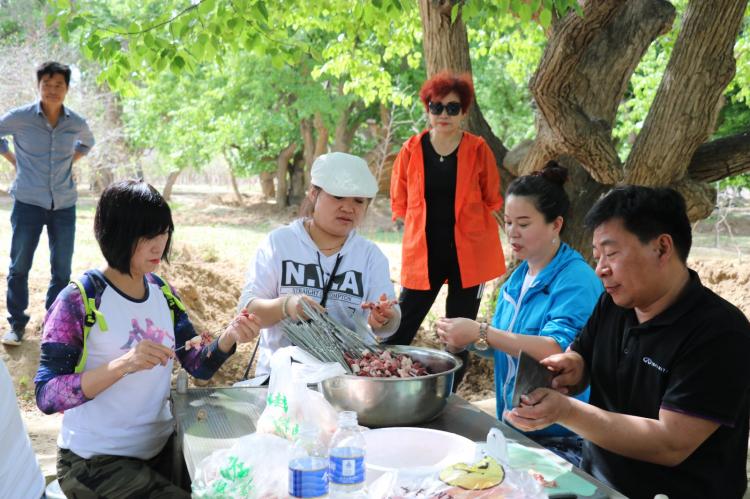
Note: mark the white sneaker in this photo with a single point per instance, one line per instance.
(11, 338)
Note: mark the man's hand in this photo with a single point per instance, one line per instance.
(570, 369)
(539, 409)
(77, 155)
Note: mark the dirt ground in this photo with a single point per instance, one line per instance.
(210, 285)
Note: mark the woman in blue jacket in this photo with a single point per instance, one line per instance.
(545, 302)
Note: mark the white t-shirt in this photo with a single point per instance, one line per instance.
(528, 280)
(132, 417)
(288, 262)
(20, 475)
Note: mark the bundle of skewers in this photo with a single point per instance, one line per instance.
(328, 341)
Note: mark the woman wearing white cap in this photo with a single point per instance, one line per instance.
(321, 259)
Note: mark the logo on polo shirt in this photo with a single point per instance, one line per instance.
(649, 362)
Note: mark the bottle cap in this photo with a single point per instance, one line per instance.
(347, 418)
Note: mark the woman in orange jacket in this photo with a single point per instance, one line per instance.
(444, 187)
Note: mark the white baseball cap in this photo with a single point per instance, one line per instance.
(343, 175)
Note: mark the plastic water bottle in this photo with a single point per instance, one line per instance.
(308, 464)
(347, 459)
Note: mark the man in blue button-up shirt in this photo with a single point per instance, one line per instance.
(47, 138)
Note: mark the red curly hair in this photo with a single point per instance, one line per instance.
(446, 82)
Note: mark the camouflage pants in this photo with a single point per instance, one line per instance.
(117, 477)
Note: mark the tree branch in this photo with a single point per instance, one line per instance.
(721, 158)
(684, 111)
(564, 126)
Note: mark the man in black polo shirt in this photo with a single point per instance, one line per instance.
(666, 358)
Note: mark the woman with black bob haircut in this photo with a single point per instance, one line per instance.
(130, 211)
(108, 346)
(544, 303)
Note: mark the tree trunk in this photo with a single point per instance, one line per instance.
(282, 169)
(446, 47)
(235, 187)
(101, 178)
(581, 80)
(306, 129)
(683, 113)
(266, 184)
(321, 144)
(297, 190)
(171, 179)
(578, 85)
(345, 130)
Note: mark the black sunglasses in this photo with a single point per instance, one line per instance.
(452, 108)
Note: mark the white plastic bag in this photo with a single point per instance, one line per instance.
(417, 484)
(290, 402)
(254, 467)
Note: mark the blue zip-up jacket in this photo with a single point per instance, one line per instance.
(557, 305)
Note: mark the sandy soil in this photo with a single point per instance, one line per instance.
(210, 291)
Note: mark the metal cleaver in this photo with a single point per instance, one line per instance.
(530, 376)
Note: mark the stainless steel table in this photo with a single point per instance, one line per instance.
(209, 419)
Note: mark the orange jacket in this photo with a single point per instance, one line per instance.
(480, 256)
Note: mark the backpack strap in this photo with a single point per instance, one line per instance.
(175, 305)
(88, 286)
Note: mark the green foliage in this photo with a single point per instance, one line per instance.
(541, 12)
(249, 70)
(132, 39)
(504, 52)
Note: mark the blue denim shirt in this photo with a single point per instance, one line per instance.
(44, 155)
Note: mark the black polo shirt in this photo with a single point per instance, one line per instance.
(693, 358)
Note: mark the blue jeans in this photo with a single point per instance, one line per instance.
(26, 221)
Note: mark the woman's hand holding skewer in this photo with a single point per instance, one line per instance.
(292, 306)
(243, 329)
(381, 312)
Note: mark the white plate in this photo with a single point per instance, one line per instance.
(416, 450)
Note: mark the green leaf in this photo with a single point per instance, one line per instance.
(545, 18)
(277, 61)
(454, 12)
(562, 7)
(263, 10)
(205, 7)
(525, 13)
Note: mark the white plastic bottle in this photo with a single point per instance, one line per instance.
(347, 459)
(308, 464)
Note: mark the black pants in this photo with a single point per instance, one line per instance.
(415, 304)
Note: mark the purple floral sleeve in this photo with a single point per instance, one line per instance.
(58, 387)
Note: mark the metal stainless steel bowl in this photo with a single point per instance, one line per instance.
(381, 402)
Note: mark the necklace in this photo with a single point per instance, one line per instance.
(308, 228)
(443, 156)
